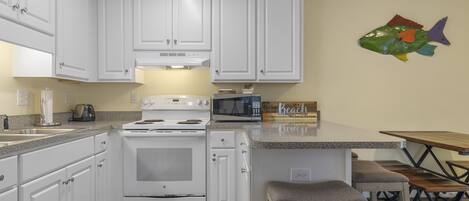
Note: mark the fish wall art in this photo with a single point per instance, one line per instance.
(401, 36)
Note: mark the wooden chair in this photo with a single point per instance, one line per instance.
(369, 176)
(324, 191)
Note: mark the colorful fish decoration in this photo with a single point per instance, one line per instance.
(401, 36)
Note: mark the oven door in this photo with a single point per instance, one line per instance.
(236, 108)
(164, 165)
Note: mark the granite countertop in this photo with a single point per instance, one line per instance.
(84, 129)
(324, 135)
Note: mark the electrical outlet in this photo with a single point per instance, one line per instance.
(300, 174)
(22, 97)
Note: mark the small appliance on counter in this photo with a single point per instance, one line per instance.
(84, 113)
(236, 107)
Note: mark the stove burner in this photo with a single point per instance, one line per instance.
(153, 120)
(190, 121)
(142, 123)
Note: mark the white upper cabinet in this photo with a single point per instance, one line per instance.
(74, 34)
(172, 24)
(234, 35)
(112, 49)
(153, 24)
(191, 24)
(29, 23)
(8, 9)
(38, 14)
(280, 40)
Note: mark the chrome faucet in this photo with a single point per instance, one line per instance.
(5, 123)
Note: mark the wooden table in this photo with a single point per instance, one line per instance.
(452, 141)
(458, 142)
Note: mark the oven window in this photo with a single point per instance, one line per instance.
(164, 164)
(231, 107)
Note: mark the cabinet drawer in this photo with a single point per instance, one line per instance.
(222, 139)
(100, 143)
(8, 172)
(43, 161)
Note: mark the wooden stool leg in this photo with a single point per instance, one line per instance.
(374, 196)
(405, 195)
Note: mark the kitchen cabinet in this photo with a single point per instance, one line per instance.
(73, 183)
(234, 49)
(102, 172)
(47, 188)
(30, 23)
(172, 24)
(38, 14)
(75, 39)
(280, 40)
(112, 51)
(10, 195)
(275, 55)
(222, 184)
(81, 181)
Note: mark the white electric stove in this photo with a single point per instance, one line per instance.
(165, 152)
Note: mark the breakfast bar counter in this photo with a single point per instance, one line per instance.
(323, 135)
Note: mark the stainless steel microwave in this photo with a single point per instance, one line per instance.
(236, 107)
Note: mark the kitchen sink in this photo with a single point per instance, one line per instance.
(6, 139)
(39, 131)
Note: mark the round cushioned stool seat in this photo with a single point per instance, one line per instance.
(324, 191)
(372, 172)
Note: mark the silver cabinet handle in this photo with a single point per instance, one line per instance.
(244, 170)
(2, 177)
(168, 41)
(65, 182)
(61, 64)
(175, 42)
(24, 10)
(103, 142)
(262, 71)
(217, 71)
(16, 6)
(214, 159)
(222, 140)
(72, 180)
(126, 70)
(100, 165)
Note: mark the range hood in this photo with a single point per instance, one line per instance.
(173, 60)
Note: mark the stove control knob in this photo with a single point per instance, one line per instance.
(206, 102)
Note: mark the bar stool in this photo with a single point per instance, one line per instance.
(369, 176)
(324, 191)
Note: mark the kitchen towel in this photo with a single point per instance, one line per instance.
(47, 106)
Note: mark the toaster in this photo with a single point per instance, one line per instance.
(84, 112)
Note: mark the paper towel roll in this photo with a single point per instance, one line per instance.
(47, 106)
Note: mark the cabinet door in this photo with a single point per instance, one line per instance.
(280, 40)
(11, 195)
(7, 10)
(111, 41)
(102, 177)
(222, 172)
(73, 39)
(82, 181)
(153, 24)
(47, 188)
(234, 36)
(38, 14)
(191, 24)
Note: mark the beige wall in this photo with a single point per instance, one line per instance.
(353, 86)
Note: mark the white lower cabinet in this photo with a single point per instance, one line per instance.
(81, 183)
(11, 195)
(73, 183)
(102, 173)
(222, 184)
(51, 187)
